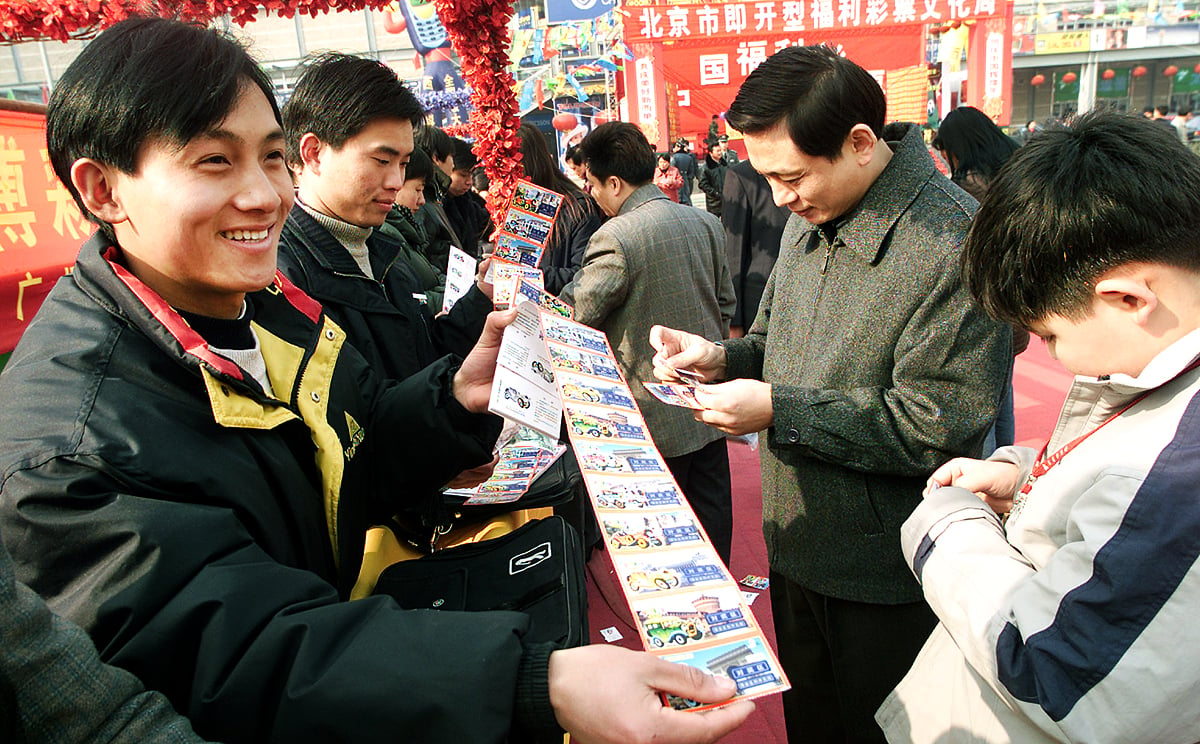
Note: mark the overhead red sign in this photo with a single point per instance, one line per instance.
(693, 81)
(661, 20)
(41, 228)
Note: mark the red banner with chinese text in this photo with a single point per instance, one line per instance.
(41, 228)
(697, 79)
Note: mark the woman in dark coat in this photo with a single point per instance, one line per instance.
(578, 217)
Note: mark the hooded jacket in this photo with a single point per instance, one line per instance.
(206, 534)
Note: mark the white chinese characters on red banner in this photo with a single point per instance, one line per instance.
(653, 20)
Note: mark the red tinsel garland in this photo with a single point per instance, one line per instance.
(60, 20)
(479, 31)
(477, 28)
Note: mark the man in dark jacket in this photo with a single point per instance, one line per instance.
(465, 209)
(686, 163)
(868, 366)
(753, 227)
(712, 178)
(349, 133)
(195, 452)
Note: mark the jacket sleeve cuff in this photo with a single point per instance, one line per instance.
(933, 516)
(533, 715)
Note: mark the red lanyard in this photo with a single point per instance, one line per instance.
(1043, 464)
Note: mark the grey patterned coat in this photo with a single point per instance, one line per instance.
(659, 262)
(882, 368)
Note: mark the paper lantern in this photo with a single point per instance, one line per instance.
(1109, 74)
(1170, 70)
(1196, 69)
(1138, 71)
(564, 122)
(1069, 77)
(1037, 79)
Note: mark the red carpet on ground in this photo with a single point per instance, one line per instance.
(1040, 386)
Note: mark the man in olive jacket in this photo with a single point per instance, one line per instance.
(868, 365)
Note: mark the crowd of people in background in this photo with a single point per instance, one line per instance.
(250, 366)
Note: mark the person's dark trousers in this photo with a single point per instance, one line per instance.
(842, 658)
(704, 477)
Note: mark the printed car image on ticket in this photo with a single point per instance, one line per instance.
(670, 570)
(641, 532)
(511, 248)
(526, 226)
(748, 662)
(692, 618)
(633, 493)
(575, 387)
(574, 360)
(533, 198)
(619, 458)
(602, 423)
(574, 334)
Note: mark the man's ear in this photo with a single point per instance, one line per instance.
(311, 149)
(862, 143)
(96, 183)
(1130, 294)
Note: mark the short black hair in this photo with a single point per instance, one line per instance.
(436, 143)
(339, 95)
(419, 165)
(1075, 202)
(619, 149)
(572, 155)
(979, 146)
(464, 155)
(817, 94)
(140, 80)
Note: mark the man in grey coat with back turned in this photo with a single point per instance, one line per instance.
(657, 261)
(869, 365)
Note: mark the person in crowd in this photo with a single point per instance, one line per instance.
(686, 163)
(868, 366)
(712, 178)
(1159, 114)
(439, 146)
(656, 259)
(1031, 128)
(349, 136)
(1073, 620)
(480, 182)
(1180, 123)
(667, 177)
(714, 131)
(466, 210)
(976, 148)
(753, 228)
(578, 216)
(200, 450)
(404, 227)
(728, 154)
(574, 161)
(57, 691)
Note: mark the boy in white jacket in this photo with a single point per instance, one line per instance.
(1075, 618)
